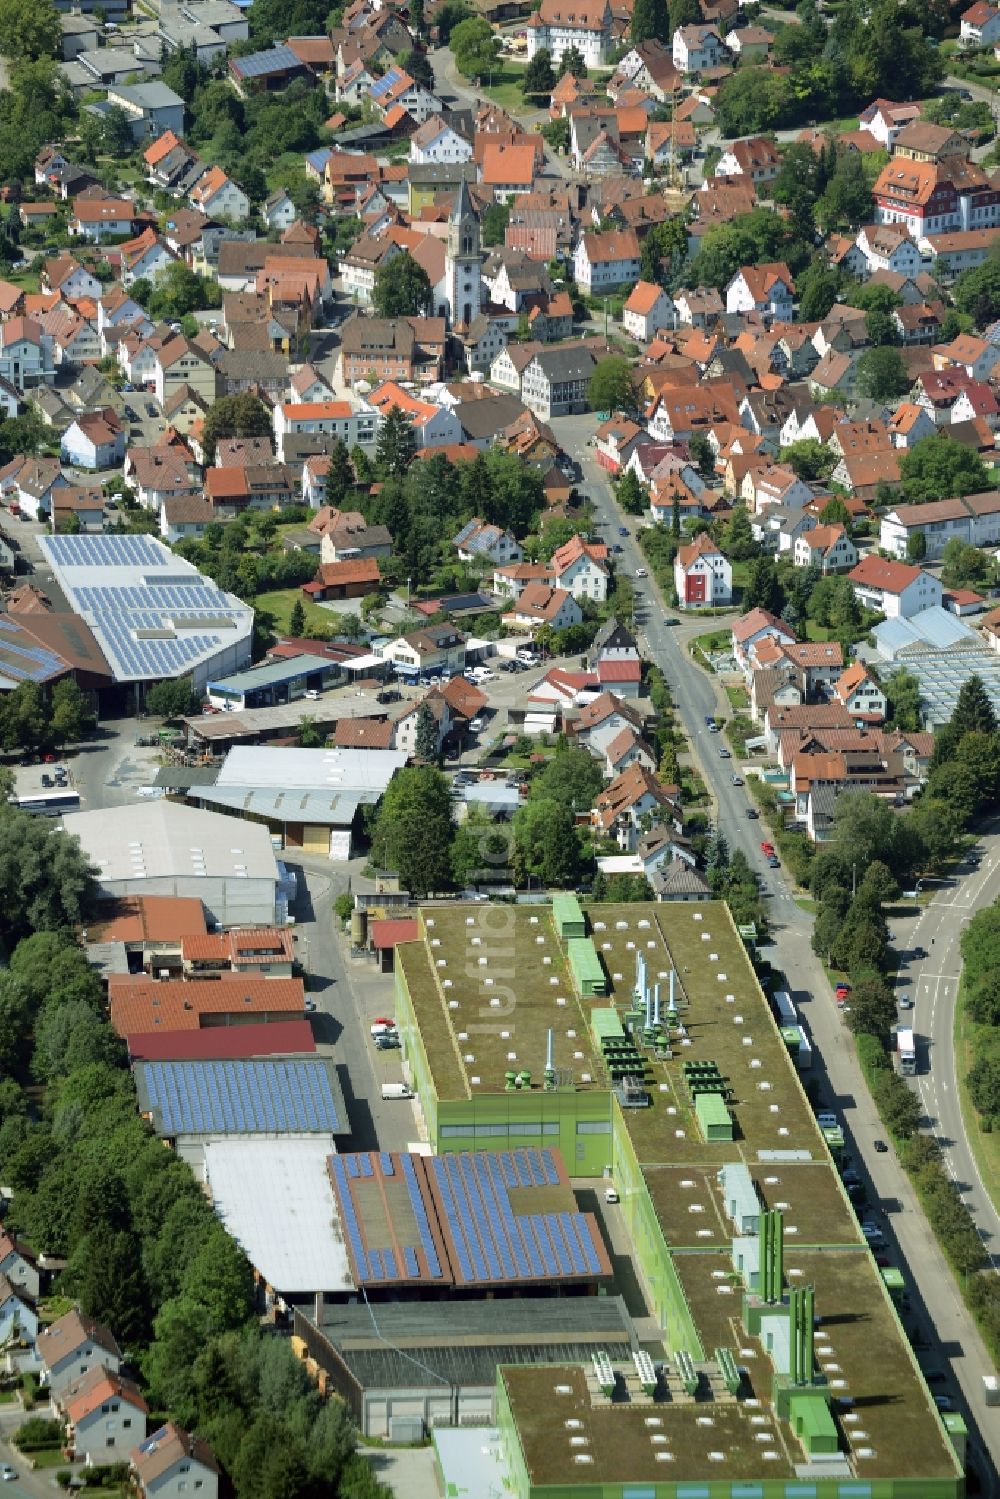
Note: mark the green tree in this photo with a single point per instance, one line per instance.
(873, 1009)
(24, 718)
(902, 692)
(983, 1082)
(480, 850)
(546, 842)
(572, 778)
(474, 47)
(763, 588)
(650, 22)
(573, 61)
(243, 415)
(180, 291)
(116, 133)
(916, 546)
(739, 544)
(297, 620)
(413, 830)
(29, 29)
(539, 79)
(937, 825)
(938, 468)
(882, 376)
(974, 712)
(418, 64)
(982, 999)
(977, 292)
(632, 497)
(174, 698)
(402, 288)
(493, 224)
(966, 566)
(426, 744)
(817, 288)
(611, 387)
(810, 459)
(846, 201)
(339, 475)
(395, 444)
(219, 1278)
(750, 100)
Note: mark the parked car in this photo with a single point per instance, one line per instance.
(623, 530)
(7, 1473)
(905, 1002)
(766, 847)
(752, 814)
(944, 1402)
(773, 862)
(641, 572)
(725, 754)
(881, 1148)
(151, 409)
(736, 780)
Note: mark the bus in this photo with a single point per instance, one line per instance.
(52, 803)
(906, 1052)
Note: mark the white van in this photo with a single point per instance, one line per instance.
(396, 1090)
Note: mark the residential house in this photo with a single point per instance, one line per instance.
(602, 261)
(105, 1414)
(601, 719)
(508, 169)
(26, 357)
(752, 630)
(765, 289)
(647, 310)
(101, 219)
(540, 604)
(888, 247)
(895, 589)
(884, 120)
(180, 362)
(697, 49)
(435, 648)
(754, 158)
(827, 547)
(94, 441)
(703, 575)
(556, 380)
(977, 357)
(278, 211)
(480, 542)
(220, 197)
(172, 1464)
(73, 1345)
(908, 424)
(581, 568)
(980, 25)
(615, 441)
(698, 308)
(860, 694)
(19, 1266)
(185, 517)
(383, 347)
(614, 657)
(18, 1316)
(632, 800)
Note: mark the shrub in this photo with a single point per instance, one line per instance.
(39, 1432)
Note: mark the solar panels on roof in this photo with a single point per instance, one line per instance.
(259, 64)
(240, 1097)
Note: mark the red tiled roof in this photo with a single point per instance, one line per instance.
(142, 1004)
(619, 671)
(389, 932)
(222, 1043)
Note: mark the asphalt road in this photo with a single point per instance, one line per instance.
(932, 983)
(938, 1318)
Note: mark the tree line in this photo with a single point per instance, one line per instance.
(144, 1251)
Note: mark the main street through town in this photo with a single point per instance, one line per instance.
(938, 1317)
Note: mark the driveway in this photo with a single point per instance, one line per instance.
(938, 1316)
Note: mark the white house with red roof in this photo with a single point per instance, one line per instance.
(608, 259)
(884, 120)
(980, 25)
(581, 568)
(827, 547)
(896, 589)
(616, 440)
(754, 158)
(557, 26)
(172, 1464)
(105, 1416)
(647, 310)
(768, 289)
(94, 441)
(703, 575)
(756, 626)
(540, 604)
(860, 694)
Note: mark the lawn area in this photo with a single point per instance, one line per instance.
(504, 86)
(48, 1457)
(279, 605)
(26, 280)
(702, 646)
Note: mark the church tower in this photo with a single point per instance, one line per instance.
(463, 261)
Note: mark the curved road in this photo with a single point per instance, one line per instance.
(939, 1318)
(933, 985)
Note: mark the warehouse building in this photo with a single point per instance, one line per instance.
(652, 1061)
(153, 615)
(161, 848)
(311, 797)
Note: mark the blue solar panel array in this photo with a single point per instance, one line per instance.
(106, 551)
(244, 1097)
(385, 84)
(274, 60)
(22, 659)
(175, 599)
(341, 1171)
(491, 1242)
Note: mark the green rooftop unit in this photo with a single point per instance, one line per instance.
(568, 917)
(714, 1119)
(606, 1025)
(812, 1423)
(587, 969)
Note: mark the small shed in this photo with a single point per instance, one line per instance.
(588, 971)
